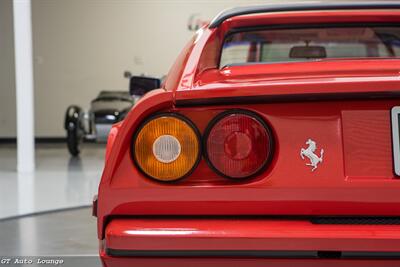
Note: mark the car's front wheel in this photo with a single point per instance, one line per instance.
(73, 141)
(75, 131)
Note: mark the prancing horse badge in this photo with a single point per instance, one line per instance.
(309, 152)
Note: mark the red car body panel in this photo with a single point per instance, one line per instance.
(239, 262)
(344, 104)
(253, 235)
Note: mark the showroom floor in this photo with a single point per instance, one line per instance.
(68, 235)
(58, 182)
(34, 207)
(71, 232)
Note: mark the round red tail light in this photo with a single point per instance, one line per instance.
(238, 144)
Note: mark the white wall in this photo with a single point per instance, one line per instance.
(83, 46)
(7, 77)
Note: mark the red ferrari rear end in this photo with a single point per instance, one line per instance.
(274, 140)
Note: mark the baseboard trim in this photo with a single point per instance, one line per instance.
(38, 140)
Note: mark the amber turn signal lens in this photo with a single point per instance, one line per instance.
(167, 147)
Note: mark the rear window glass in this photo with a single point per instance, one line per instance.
(305, 44)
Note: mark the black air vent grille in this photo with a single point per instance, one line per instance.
(357, 220)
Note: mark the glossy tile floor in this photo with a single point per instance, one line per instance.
(58, 182)
(68, 236)
(71, 232)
